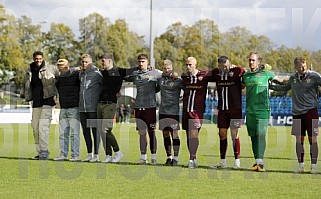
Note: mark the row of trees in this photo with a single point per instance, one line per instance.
(19, 38)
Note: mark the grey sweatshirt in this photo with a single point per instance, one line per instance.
(145, 81)
(91, 82)
(305, 92)
(170, 93)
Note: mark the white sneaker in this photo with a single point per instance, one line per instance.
(237, 164)
(314, 171)
(95, 158)
(74, 159)
(142, 161)
(190, 164)
(117, 157)
(60, 158)
(301, 170)
(88, 158)
(108, 159)
(195, 163)
(220, 165)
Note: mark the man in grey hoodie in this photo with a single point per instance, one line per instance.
(90, 88)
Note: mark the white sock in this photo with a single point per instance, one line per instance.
(143, 156)
(301, 165)
(313, 166)
(223, 161)
(176, 158)
(169, 157)
(259, 161)
(237, 162)
(153, 156)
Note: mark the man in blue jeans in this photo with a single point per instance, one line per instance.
(68, 85)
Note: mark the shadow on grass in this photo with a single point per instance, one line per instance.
(251, 157)
(178, 166)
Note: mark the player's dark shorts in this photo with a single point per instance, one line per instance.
(306, 122)
(229, 118)
(145, 118)
(192, 120)
(169, 122)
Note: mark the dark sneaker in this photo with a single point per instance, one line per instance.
(260, 168)
(174, 162)
(168, 162)
(153, 161)
(220, 165)
(36, 157)
(43, 155)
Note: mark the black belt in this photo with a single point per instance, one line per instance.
(106, 102)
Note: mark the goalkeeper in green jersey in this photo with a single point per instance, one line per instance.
(256, 81)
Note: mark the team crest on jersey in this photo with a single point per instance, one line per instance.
(294, 81)
(152, 126)
(308, 80)
(197, 125)
(231, 74)
(200, 78)
(171, 84)
(258, 75)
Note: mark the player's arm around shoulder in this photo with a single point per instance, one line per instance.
(318, 78)
(280, 84)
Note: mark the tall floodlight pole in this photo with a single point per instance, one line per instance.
(152, 60)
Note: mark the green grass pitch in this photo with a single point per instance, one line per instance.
(22, 177)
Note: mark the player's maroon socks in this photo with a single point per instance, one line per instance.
(193, 146)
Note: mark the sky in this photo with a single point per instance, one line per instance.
(294, 23)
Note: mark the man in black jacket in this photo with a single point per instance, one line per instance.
(112, 81)
(68, 85)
